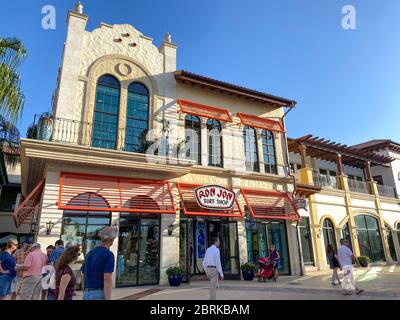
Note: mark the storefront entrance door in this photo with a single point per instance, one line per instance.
(197, 235)
(138, 250)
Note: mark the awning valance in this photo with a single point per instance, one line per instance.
(115, 194)
(205, 111)
(28, 207)
(259, 122)
(190, 207)
(269, 205)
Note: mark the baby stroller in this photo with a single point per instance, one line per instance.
(265, 270)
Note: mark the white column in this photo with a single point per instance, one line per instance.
(260, 150)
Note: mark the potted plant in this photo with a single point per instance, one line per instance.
(363, 260)
(248, 270)
(175, 275)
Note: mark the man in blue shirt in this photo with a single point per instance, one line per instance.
(59, 249)
(57, 252)
(7, 270)
(98, 267)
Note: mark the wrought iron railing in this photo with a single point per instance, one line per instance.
(387, 191)
(325, 181)
(358, 186)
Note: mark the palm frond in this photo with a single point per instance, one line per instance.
(12, 54)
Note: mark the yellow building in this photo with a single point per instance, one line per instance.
(354, 196)
(129, 141)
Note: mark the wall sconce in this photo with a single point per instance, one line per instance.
(33, 226)
(170, 229)
(49, 227)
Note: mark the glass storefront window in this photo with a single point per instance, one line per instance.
(329, 234)
(83, 227)
(346, 234)
(369, 237)
(138, 250)
(391, 243)
(306, 244)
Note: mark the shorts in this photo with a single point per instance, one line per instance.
(5, 285)
(16, 284)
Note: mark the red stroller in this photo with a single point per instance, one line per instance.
(265, 270)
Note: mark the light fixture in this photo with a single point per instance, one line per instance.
(170, 229)
(33, 226)
(49, 226)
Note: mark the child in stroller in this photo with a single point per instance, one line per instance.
(265, 270)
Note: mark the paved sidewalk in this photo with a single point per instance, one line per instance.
(380, 283)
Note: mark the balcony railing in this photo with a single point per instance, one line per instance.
(324, 181)
(358, 186)
(386, 191)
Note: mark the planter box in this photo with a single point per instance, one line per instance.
(248, 275)
(175, 281)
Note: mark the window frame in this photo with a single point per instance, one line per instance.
(256, 167)
(210, 146)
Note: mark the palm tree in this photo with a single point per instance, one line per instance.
(9, 141)
(12, 54)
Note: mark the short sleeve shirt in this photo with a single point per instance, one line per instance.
(8, 263)
(344, 255)
(98, 261)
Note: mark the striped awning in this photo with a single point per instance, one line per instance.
(260, 122)
(205, 111)
(264, 204)
(116, 194)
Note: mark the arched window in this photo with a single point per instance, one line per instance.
(83, 227)
(250, 149)
(215, 157)
(268, 143)
(392, 249)
(329, 233)
(105, 120)
(193, 138)
(306, 241)
(346, 234)
(369, 237)
(137, 118)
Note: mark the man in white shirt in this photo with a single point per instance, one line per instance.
(212, 267)
(346, 258)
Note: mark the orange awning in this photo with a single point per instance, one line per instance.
(259, 122)
(203, 110)
(269, 204)
(28, 207)
(106, 193)
(190, 206)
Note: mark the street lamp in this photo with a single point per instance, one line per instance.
(49, 226)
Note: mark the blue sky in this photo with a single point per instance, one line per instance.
(346, 82)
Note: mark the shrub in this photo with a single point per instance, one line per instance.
(363, 260)
(248, 266)
(175, 271)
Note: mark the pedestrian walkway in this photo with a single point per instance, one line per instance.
(380, 283)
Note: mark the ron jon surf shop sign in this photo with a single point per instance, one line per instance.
(214, 197)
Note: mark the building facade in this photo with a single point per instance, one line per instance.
(129, 142)
(355, 196)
